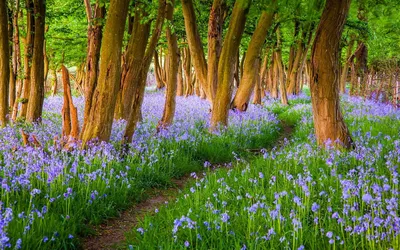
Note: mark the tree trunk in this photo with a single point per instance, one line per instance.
(36, 95)
(238, 71)
(241, 99)
(66, 113)
(4, 64)
(69, 111)
(16, 57)
(279, 68)
(95, 29)
(55, 82)
(46, 61)
(294, 68)
(180, 88)
(172, 77)
(353, 79)
(361, 67)
(158, 71)
(195, 45)
(215, 30)
(274, 77)
(328, 119)
(280, 76)
(100, 116)
(227, 64)
(257, 85)
(134, 57)
(187, 69)
(362, 53)
(345, 69)
(29, 42)
(137, 101)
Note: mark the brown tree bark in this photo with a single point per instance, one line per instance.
(195, 45)
(95, 28)
(133, 59)
(226, 65)
(172, 77)
(362, 53)
(241, 99)
(274, 77)
(361, 67)
(180, 88)
(238, 70)
(294, 66)
(15, 90)
(36, 95)
(69, 111)
(45, 58)
(16, 57)
(4, 64)
(28, 52)
(257, 85)
(215, 30)
(328, 119)
(55, 82)
(100, 116)
(353, 79)
(280, 76)
(158, 71)
(137, 101)
(345, 69)
(66, 113)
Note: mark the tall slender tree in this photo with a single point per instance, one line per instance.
(140, 83)
(215, 31)
(28, 52)
(328, 119)
(16, 57)
(242, 96)
(172, 74)
(94, 15)
(133, 58)
(101, 111)
(227, 62)
(36, 95)
(4, 64)
(195, 45)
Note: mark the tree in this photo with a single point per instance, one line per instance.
(94, 15)
(4, 64)
(133, 59)
(328, 119)
(242, 96)
(100, 118)
(28, 52)
(227, 62)
(215, 31)
(172, 74)
(36, 96)
(195, 45)
(140, 83)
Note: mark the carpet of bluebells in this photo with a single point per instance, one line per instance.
(50, 198)
(294, 196)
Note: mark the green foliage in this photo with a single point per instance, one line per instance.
(67, 35)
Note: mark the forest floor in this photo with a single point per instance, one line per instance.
(111, 233)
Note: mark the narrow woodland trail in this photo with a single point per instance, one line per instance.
(111, 234)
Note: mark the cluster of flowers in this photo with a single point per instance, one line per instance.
(46, 193)
(298, 196)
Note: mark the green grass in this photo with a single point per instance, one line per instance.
(235, 208)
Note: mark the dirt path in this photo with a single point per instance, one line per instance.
(111, 234)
